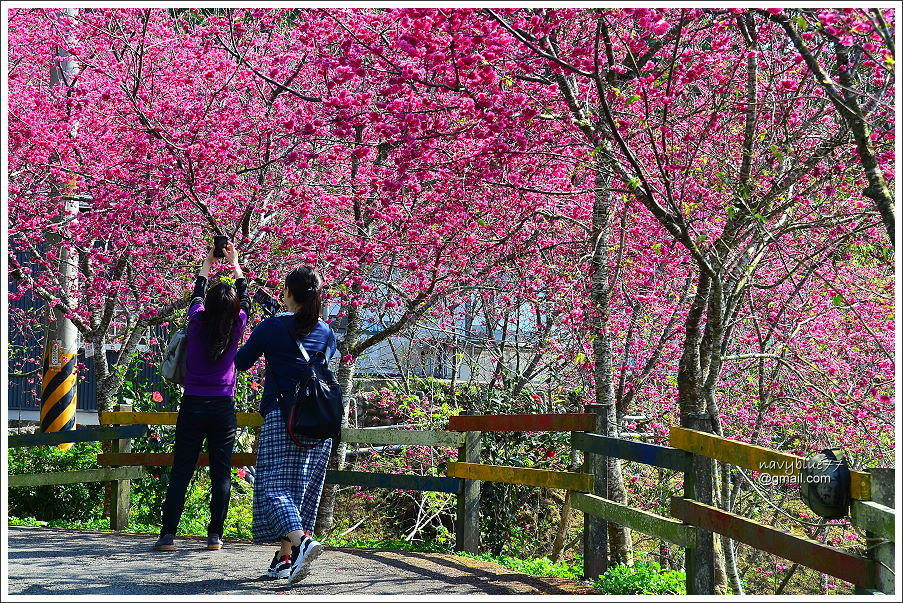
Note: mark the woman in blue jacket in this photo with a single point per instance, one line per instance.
(289, 478)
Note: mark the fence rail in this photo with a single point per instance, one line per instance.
(648, 523)
(408, 437)
(104, 474)
(876, 518)
(756, 458)
(521, 475)
(396, 481)
(691, 524)
(164, 459)
(545, 422)
(59, 478)
(244, 419)
(805, 551)
(640, 452)
(93, 434)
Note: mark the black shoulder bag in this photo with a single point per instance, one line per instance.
(314, 409)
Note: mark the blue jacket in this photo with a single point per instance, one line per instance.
(273, 339)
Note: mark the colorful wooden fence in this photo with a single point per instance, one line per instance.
(805, 551)
(691, 520)
(104, 474)
(864, 572)
(756, 458)
(378, 436)
(691, 525)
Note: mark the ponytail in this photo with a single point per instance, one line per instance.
(305, 285)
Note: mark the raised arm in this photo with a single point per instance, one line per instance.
(200, 284)
(241, 285)
(248, 354)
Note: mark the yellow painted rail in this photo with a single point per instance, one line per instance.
(756, 458)
(582, 482)
(245, 419)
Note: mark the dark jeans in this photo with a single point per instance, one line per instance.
(213, 418)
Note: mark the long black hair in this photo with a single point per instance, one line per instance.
(306, 287)
(221, 308)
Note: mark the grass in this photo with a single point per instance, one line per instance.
(100, 525)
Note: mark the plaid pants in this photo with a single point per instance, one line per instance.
(288, 481)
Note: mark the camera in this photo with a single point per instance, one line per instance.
(268, 305)
(219, 246)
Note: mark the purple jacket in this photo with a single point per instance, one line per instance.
(203, 378)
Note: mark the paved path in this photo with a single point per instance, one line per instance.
(74, 562)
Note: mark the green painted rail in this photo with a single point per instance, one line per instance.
(106, 474)
(393, 480)
(871, 516)
(648, 523)
(88, 434)
(403, 437)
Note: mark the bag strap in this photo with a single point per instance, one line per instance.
(303, 351)
(298, 342)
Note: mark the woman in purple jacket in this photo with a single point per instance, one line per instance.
(215, 326)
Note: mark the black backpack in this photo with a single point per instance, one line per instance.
(314, 408)
(825, 484)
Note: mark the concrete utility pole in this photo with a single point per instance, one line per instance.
(58, 387)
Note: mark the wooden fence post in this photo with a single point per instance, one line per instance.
(880, 549)
(595, 529)
(698, 483)
(119, 505)
(467, 523)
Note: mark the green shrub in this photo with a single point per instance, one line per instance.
(642, 578)
(83, 502)
(148, 495)
(394, 544)
(534, 567)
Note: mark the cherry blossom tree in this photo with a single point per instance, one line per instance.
(688, 212)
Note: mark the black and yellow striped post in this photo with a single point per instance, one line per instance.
(58, 388)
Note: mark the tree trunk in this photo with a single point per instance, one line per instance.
(558, 544)
(345, 376)
(620, 542)
(326, 510)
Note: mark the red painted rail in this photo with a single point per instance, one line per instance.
(546, 422)
(805, 551)
(164, 459)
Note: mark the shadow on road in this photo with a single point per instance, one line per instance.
(75, 562)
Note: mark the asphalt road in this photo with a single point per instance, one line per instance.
(47, 561)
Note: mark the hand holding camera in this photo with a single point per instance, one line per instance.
(219, 246)
(268, 305)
